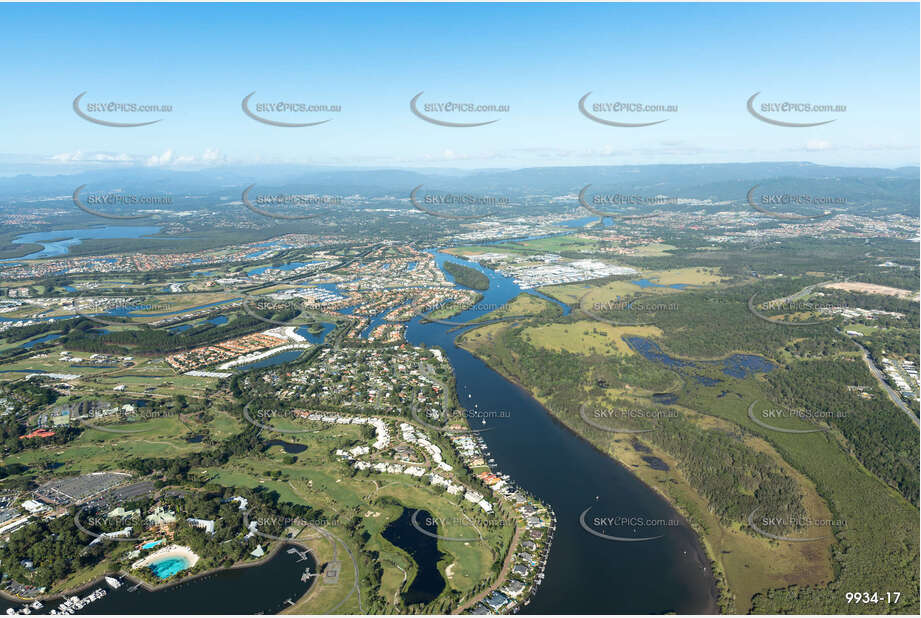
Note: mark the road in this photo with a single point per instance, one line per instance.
(500, 580)
(894, 396)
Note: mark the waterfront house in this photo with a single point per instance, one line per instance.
(496, 601)
(513, 588)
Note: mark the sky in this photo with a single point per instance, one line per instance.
(537, 59)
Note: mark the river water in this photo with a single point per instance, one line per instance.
(585, 573)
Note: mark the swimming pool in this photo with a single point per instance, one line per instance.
(169, 566)
(150, 544)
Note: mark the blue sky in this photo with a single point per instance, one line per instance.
(538, 59)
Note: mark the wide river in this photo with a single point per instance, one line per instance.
(585, 573)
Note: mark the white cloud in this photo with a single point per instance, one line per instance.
(213, 155)
(103, 157)
(160, 160)
(169, 158)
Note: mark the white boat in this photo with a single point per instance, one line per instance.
(113, 583)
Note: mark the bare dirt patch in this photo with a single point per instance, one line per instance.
(870, 288)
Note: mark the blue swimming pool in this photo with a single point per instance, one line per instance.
(150, 544)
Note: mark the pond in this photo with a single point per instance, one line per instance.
(289, 447)
(316, 338)
(34, 342)
(666, 399)
(277, 359)
(735, 366)
(428, 582)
